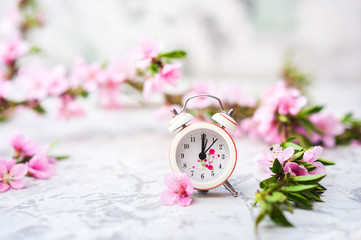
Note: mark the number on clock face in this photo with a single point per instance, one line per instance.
(203, 154)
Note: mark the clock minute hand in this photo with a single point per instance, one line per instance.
(203, 141)
(211, 145)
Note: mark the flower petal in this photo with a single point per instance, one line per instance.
(184, 201)
(286, 154)
(269, 155)
(320, 169)
(19, 170)
(10, 164)
(186, 183)
(4, 187)
(172, 181)
(17, 184)
(3, 168)
(312, 154)
(168, 197)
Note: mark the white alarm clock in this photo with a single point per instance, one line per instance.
(203, 150)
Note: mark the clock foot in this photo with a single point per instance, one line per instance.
(229, 187)
(202, 191)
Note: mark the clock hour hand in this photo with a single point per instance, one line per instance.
(202, 155)
(211, 145)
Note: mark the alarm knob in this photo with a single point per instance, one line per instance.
(225, 120)
(179, 121)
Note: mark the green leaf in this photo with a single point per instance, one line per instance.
(303, 140)
(311, 195)
(309, 126)
(154, 68)
(276, 197)
(325, 162)
(308, 178)
(300, 200)
(309, 166)
(291, 144)
(310, 110)
(53, 144)
(278, 217)
(290, 139)
(297, 156)
(262, 212)
(283, 118)
(61, 157)
(277, 167)
(288, 206)
(39, 109)
(173, 54)
(267, 182)
(298, 188)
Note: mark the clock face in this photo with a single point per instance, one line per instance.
(203, 154)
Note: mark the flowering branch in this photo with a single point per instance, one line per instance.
(294, 182)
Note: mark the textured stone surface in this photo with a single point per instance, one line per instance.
(110, 187)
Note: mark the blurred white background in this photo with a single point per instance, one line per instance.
(235, 39)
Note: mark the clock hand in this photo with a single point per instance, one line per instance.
(211, 145)
(202, 155)
(203, 140)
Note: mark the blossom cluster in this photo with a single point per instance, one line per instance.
(283, 112)
(145, 68)
(294, 181)
(292, 163)
(29, 158)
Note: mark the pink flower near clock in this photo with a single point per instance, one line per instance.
(211, 151)
(11, 174)
(22, 146)
(179, 189)
(40, 166)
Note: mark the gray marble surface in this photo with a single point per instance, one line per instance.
(110, 188)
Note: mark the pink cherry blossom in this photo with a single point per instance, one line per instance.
(200, 87)
(278, 152)
(170, 73)
(22, 146)
(69, 108)
(58, 83)
(329, 126)
(179, 189)
(151, 85)
(34, 80)
(311, 156)
(149, 49)
(109, 83)
(294, 169)
(283, 99)
(11, 174)
(12, 49)
(40, 166)
(85, 75)
(262, 125)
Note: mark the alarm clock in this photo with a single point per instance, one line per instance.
(205, 151)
